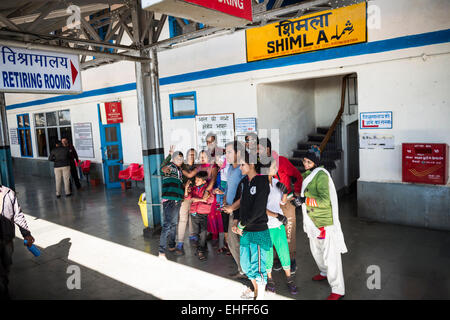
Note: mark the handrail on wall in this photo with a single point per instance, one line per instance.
(338, 117)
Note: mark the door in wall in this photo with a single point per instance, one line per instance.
(112, 154)
(353, 152)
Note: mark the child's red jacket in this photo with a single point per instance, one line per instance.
(200, 207)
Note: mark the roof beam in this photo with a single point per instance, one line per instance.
(69, 50)
(87, 26)
(49, 6)
(8, 23)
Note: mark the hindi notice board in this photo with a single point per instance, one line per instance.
(376, 141)
(244, 125)
(222, 125)
(13, 136)
(316, 31)
(375, 120)
(84, 144)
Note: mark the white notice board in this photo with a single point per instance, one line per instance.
(84, 144)
(376, 141)
(245, 125)
(13, 136)
(221, 124)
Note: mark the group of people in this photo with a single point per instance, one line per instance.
(65, 158)
(245, 197)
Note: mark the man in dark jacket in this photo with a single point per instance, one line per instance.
(73, 160)
(61, 157)
(10, 214)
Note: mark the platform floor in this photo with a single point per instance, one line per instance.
(101, 232)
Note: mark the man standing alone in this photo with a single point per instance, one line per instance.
(73, 160)
(61, 157)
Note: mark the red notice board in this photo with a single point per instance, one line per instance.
(113, 112)
(425, 163)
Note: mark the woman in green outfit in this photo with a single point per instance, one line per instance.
(321, 223)
(277, 221)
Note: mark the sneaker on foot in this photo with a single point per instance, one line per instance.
(270, 285)
(319, 277)
(248, 294)
(162, 256)
(334, 296)
(291, 285)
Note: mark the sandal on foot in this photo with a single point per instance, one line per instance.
(201, 256)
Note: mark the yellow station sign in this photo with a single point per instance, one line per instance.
(322, 30)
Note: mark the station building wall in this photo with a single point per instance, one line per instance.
(402, 68)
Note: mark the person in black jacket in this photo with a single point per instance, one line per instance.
(255, 236)
(61, 157)
(73, 160)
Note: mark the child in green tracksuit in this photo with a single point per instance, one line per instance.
(278, 195)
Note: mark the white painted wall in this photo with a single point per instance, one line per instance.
(288, 107)
(407, 17)
(415, 89)
(233, 97)
(327, 99)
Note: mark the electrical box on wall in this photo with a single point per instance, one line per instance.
(425, 163)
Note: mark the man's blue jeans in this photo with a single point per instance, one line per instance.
(171, 209)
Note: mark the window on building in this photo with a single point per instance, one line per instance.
(51, 127)
(183, 105)
(24, 132)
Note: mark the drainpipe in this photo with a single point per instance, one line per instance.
(6, 167)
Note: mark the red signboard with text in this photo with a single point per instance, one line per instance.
(113, 112)
(425, 163)
(237, 8)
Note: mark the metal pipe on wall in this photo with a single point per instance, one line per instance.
(6, 167)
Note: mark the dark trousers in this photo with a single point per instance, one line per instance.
(74, 174)
(6, 251)
(171, 209)
(225, 221)
(200, 226)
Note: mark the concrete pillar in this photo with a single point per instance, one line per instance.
(6, 168)
(147, 87)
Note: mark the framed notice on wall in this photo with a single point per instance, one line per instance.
(13, 136)
(84, 144)
(220, 124)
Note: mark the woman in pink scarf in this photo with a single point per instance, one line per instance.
(215, 225)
